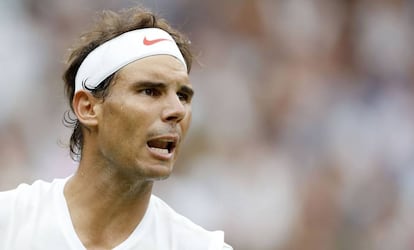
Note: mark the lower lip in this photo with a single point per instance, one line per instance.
(159, 155)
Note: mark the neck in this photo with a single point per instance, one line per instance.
(105, 207)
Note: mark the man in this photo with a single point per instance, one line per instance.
(127, 82)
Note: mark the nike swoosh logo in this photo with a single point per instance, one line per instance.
(154, 41)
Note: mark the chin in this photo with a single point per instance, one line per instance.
(157, 172)
(160, 178)
(150, 170)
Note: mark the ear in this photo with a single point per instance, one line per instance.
(86, 108)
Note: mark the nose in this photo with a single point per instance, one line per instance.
(174, 110)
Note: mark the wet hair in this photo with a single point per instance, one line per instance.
(108, 25)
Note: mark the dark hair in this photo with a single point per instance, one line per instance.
(109, 25)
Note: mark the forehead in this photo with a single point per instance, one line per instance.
(161, 68)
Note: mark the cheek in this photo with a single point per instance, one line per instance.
(186, 122)
(122, 125)
(122, 135)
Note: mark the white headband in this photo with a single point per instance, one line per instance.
(114, 54)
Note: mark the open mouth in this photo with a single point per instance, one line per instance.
(162, 145)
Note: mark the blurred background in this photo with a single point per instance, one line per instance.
(303, 126)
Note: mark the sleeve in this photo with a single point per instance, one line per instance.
(227, 247)
(7, 200)
(217, 242)
(6, 209)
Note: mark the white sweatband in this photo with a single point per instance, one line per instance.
(116, 53)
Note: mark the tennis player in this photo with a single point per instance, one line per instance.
(127, 83)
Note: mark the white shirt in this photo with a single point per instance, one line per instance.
(37, 217)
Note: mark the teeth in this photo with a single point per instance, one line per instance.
(161, 150)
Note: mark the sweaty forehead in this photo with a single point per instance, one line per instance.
(155, 68)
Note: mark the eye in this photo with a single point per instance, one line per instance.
(150, 92)
(184, 97)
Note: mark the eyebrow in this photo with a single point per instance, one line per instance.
(188, 90)
(149, 84)
(160, 85)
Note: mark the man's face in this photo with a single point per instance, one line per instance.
(145, 116)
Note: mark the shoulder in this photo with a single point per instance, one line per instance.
(183, 228)
(227, 247)
(25, 212)
(17, 205)
(24, 199)
(26, 192)
(164, 211)
(22, 194)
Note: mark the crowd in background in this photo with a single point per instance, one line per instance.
(303, 117)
